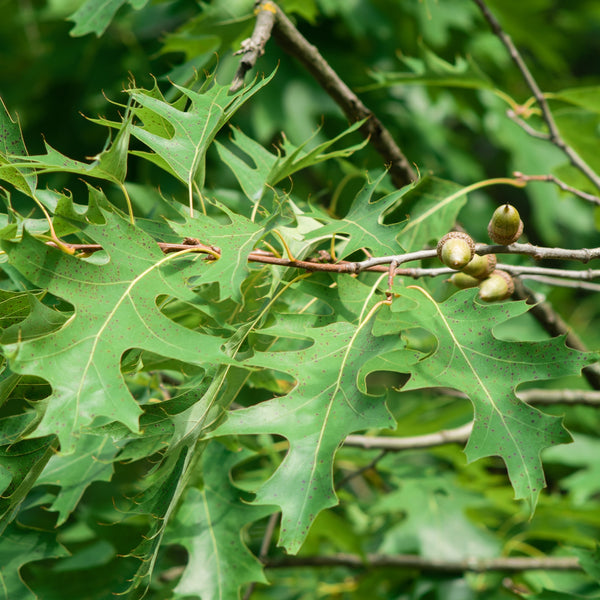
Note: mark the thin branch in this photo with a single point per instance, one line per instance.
(295, 44)
(561, 184)
(548, 397)
(540, 252)
(460, 435)
(543, 397)
(362, 470)
(254, 47)
(527, 128)
(378, 263)
(585, 275)
(566, 283)
(554, 134)
(408, 561)
(264, 548)
(537, 252)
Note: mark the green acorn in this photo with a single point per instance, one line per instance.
(456, 249)
(498, 286)
(463, 281)
(480, 266)
(505, 226)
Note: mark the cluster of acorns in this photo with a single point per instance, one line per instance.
(457, 251)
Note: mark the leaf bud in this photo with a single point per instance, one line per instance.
(463, 281)
(498, 286)
(505, 226)
(480, 266)
(456, 249)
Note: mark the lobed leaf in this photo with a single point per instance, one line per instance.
(115, 310)
(180, 137)
(327, 403)
(19, 546)
(469, 358)
(94, 16)
(209, 524)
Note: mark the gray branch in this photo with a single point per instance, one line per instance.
(295, 44)
(554, 134)
(253, 47)
(408, 561)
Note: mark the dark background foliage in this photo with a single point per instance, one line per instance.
(429, 70)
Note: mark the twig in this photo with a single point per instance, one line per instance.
(294, 43)
(540, 252)
(459, 435)
(543, 397)
(547, 397)
(561, 184)
(537, 252)
(264, 548)
(254, 46)
(362, 470)
(527, 128)
(566, 283)
(409, 561)
(554, 134)
(378, 263)
(586, 275)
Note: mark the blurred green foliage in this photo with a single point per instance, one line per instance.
(437, 77)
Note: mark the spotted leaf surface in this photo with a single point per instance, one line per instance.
(180, 135)
(209, 524)
(469, 358)
(115, 309)
(326, 404)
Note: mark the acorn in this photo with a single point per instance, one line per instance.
(480, 266)
(505, 226)
(456, 249)
(498, 286)
(463, 281)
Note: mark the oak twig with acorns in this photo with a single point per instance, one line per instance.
(457, 251)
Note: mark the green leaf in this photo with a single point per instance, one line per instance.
(11, 145)
(584, 453)
(94, 16)
(436, 523)
(91, 461)
(209, 524)
(363, 225)
(579, 129)
(20, 546)
(470, 359)
(235, 239)
(109, 165)
(14, 307)
(430, 208)
(180, 138)
(590, 561)
(586, 97)
(115, 310)
(267, 169)
(430, 69)
(40, 320)
(327, 403)
(23, 461)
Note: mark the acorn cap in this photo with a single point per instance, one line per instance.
(505, 226)
(498, 286)
(456, 249)
(480, 266)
